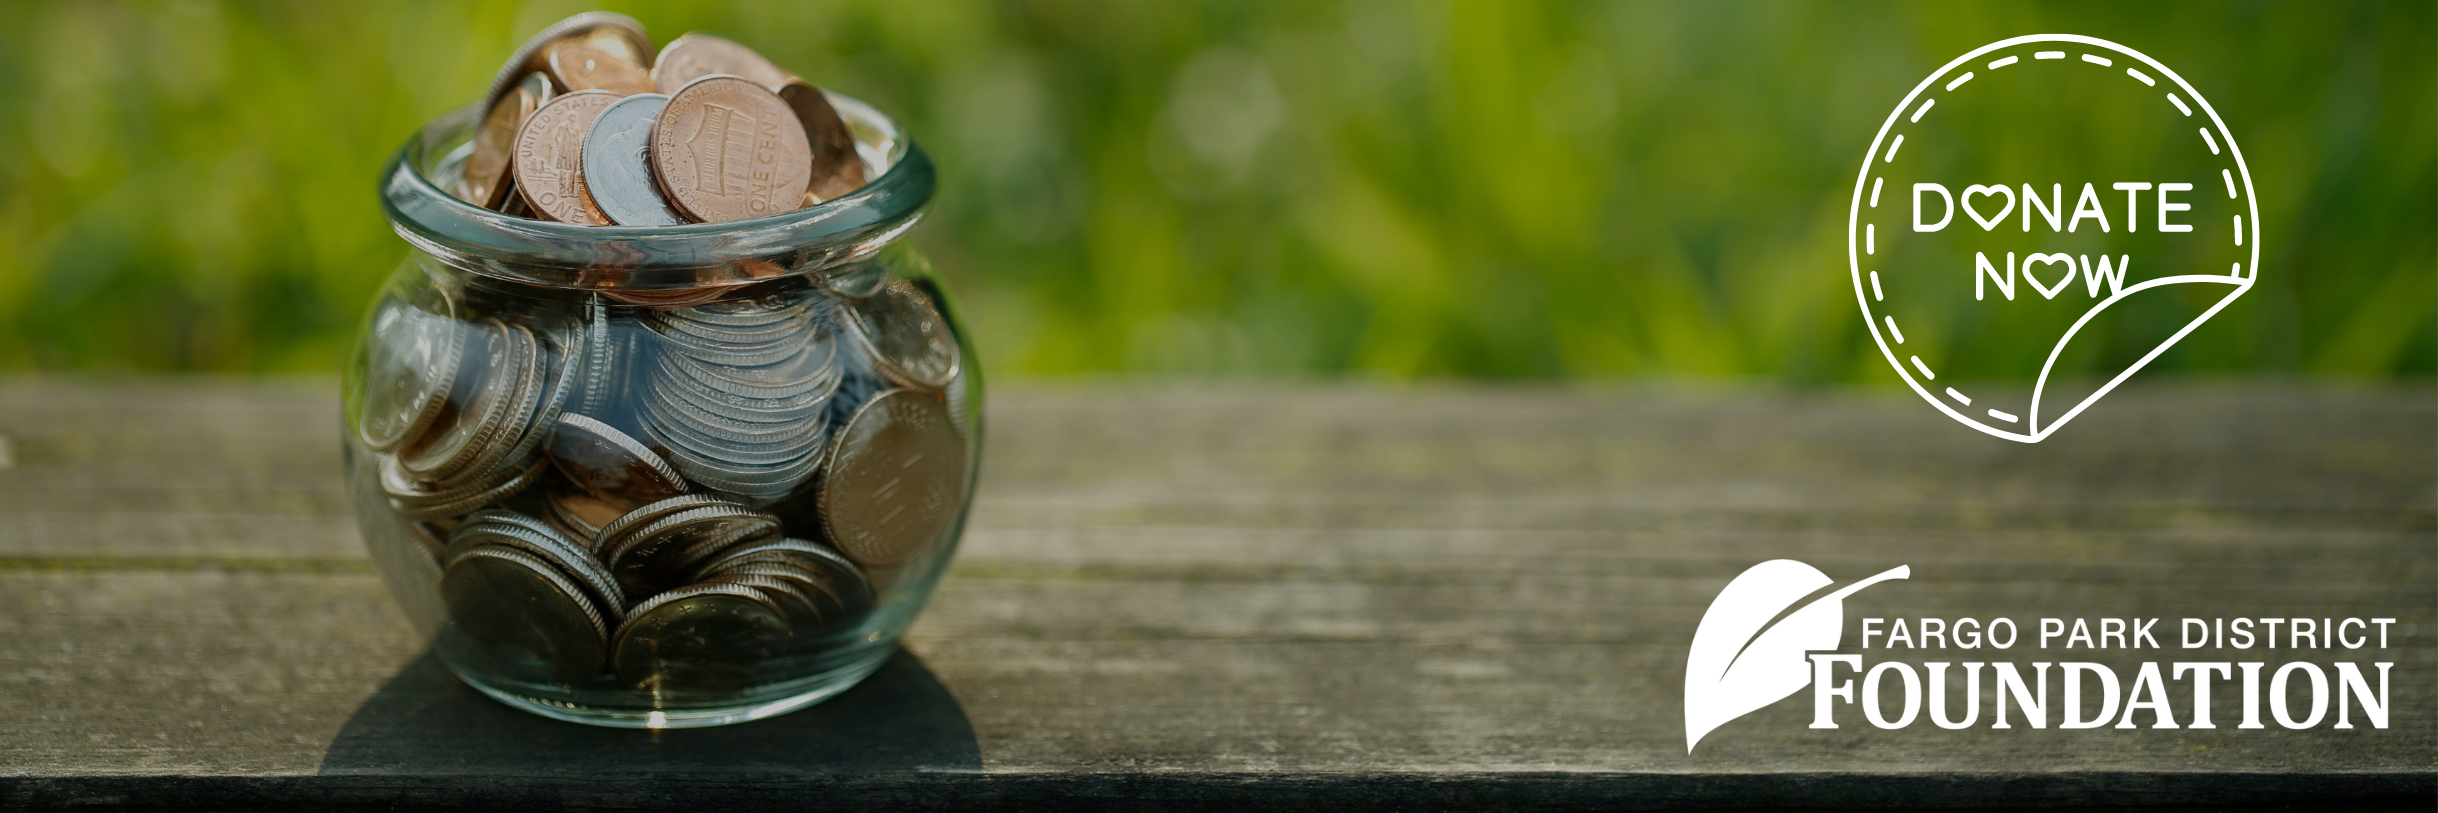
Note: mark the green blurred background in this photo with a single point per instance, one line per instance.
(1491, 189)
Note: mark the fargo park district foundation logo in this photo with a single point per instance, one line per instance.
(2041, 218)
(1761, 641)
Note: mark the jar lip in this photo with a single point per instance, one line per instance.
(804, 241)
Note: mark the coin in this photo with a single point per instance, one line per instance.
(593, 64)
(536, 538)
(839, 585)
(530, 619)
(487, 429)
(600, 366)
(582, 514)
(709, 637)
(727, 149)
(616, 532)
(659, 554)
(618, 164)
(549, 159)
(611, 465)
(695, 55)
(895, 476)
(480, 388)
(837, 170)
(413, 356)
(605, 29)
(486, 173)
(908, 340)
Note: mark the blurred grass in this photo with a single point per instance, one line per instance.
(1501, 189)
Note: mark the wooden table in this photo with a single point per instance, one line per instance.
(1258, 596)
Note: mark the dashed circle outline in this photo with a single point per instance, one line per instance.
(2249, 272)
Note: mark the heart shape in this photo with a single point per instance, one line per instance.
(1991, 222)
(2049, 292)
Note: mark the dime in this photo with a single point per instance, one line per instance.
(895, 476)
(727, 149)
(524, 614)
(611, 465)
(837, 170)
(479, 390)
(412, 362)
(549, 161)
(906, 337)
(605, 29)
(709, 637)
(488, 429)
(616, 532)
(584, 63)
(486, 173)
(695, 55)
(618, 164)
(601, 363)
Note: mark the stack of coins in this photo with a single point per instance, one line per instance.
(663, 490)
(588, 124)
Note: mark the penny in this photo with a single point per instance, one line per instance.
(618, 163)
(727, 149)
(549, 158)
(695, 55)
(605, 29)
(837, 170)
(895, 476)
(711, 637)
(582, 514)
(527, 617)
(485, 180)
(412, 360)
(589, 64)
(906, 336)
(611, 465)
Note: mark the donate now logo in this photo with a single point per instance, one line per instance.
(1741, 661)
(2038, 220)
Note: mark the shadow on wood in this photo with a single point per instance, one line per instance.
(426, 722)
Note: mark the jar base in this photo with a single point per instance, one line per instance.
(805, 692)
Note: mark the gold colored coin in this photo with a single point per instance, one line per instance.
(727, 149)
(697, 55)
(486, 174)
(549, 159)
(607, 30)
(584, 64)
(836, 169)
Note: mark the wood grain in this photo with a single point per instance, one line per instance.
(1261, 596)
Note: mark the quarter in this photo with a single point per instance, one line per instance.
(895, 476)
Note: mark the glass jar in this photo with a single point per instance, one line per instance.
(662, 477)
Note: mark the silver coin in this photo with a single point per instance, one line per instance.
(484, 386)
(895, 479)
(848, 591)
(537, 538)
(724, 353)
(858, 279)
(710, 637)
(673, 420)
(496, 436)
(739, 407)
(618, 163)
(618, 529)
(600, 358)
(726, 458)
(906, 336)
(567, 365)
(611, 465)
(747, 313)
(813, 369)
(753, 480)
(491, 492)
(530, 620)
(798, 606)
(412, 360)
(649, 558)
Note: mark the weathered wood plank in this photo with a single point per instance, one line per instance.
(1252, 597)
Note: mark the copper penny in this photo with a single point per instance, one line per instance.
(584, 64)
(549, 160)
(607, 30)
(836, 169)
(727, 149)
(697, 55)
(486, 174)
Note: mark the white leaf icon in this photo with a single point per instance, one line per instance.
(1736, 666)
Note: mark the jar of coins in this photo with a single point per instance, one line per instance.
(661, 423)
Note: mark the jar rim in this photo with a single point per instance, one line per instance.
(806, 241)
